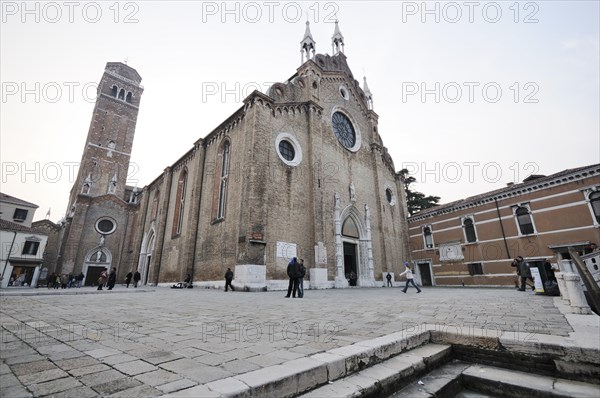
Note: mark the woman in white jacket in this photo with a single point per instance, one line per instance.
(409, 277)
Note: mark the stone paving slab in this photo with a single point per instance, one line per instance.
(180, 332)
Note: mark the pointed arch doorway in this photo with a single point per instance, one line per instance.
(350, 239)
(354, 254)
(145, 261)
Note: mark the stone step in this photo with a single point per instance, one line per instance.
(507, 383)
(377, 379)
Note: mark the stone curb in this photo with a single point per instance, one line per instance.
(301, 375)
(67, 292)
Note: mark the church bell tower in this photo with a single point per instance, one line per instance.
(100, 203)
(105, 159)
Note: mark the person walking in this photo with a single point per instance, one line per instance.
(389, 279)
(51, 280)
(64, 280)
(523, 272)
(80, 279)
(409, 277)
(112, 279)
(128, 278)
(136, 278)
(102, 279)
(228, 279)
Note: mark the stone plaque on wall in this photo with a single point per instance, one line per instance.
(320, 253)
(286, 250)
(450, 251)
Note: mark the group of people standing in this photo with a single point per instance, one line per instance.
(108, 280)
(296, 271)
(64, 281)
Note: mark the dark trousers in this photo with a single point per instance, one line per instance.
(389, 283)
(524, 282)
(228, 283)
(408, 281)
(292, 287)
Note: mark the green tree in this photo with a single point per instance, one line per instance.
(416, 201)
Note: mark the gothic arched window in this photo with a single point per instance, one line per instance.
(128, 98)
(155, 204)
(114, 91)
(223, 180)
(349, 228)
(180, 203)
(122, 94)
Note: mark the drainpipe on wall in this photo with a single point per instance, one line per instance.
(502, 228)
(8, 255)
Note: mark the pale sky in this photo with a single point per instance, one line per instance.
(517, 83)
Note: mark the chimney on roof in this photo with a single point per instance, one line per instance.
(533, 177)
(508, 184)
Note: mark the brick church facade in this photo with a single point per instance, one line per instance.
(299, 171)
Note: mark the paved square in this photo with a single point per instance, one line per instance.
(165, 340)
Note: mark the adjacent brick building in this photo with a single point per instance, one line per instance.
(473, 241)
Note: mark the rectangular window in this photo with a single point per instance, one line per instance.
(427, 237)
(475, 269)
(20, 215)
(31, 247)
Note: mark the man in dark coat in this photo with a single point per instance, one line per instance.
(128, 278)
(228, 279)
(293, 272)
(112, 279)
(136, 278)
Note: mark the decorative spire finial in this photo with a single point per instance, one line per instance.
(368, 94)
(307, 45)
(337, 40)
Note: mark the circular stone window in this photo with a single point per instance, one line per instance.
(105, 226)
(344, 93)
(389, 195)
(344, 130)
(288, 149)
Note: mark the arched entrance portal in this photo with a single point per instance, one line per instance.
(145, 261)
(354, 254)
(95, 261)
(350, 239)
